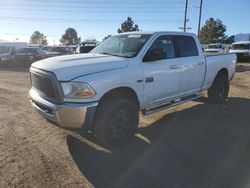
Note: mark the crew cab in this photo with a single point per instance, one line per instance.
(103, 91)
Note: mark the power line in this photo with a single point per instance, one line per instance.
(92, 7)
(104, 2)
(77, 20)
(80, 11)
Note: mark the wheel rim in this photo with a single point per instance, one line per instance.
(119, 123)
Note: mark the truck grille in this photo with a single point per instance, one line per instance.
(43, 85)
(46, 85)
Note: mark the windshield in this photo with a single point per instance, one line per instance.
(122, 45)
(27, 50)
(4, 49)
(214, 46)
(240, 47)
(56, 49)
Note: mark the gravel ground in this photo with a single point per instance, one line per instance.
(194, 145)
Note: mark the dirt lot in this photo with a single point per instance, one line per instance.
(195, 145)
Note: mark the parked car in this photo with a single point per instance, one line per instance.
(85, 47)
(29, 54)
(104, 90)
(215, 48)
(8, 50)
(57, 50)
(242, 50)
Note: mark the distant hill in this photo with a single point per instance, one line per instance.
(242, 37)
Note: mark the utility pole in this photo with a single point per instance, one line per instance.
(199, 25)
(185, 17)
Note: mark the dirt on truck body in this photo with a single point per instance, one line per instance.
(197, 144)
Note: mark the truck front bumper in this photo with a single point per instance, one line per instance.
(67, 115)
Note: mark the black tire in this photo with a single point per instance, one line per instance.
(219, 90)
(116, 121)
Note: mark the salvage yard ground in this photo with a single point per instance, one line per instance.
(194, 145)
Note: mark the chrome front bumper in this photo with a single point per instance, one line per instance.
(67, 115)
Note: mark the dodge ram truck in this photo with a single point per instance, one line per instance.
(103, 91)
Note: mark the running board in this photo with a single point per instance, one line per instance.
(170, 104)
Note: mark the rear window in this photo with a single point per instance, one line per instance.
(185, 46)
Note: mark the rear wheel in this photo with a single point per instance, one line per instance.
(219, 90)
(116, 121)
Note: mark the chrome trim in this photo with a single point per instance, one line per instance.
(68, 115)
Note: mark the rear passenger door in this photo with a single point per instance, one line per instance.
(192, 65)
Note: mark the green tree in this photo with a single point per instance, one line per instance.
(128, 25)
(229, 40)
(70, 37)
(213, 31)
(38, 38)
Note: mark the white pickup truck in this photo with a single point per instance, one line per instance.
(104, 90)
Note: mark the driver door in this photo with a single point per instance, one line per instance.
(161, 71)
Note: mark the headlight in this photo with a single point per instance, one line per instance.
(77, 90)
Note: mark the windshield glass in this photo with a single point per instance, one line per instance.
(214, 46)
(122, 45)
(241, 47)
(56, 49)
(4, 49)
(27, 50)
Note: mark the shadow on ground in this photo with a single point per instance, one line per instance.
(205, 146)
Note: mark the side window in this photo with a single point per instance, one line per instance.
(162, 48)
(185, 46)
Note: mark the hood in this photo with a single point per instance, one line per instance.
(24, 53)
(52, 53)
(239, 51)
(68, 67)
(213, 50)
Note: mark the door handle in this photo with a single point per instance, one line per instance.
(200, 63)
(174, 66)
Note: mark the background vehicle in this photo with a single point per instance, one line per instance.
(29, 54)
(85, 47)
(8, 50)
(103, 91)
(215, 48)
(46, 48)
(57, 50)
(242, 50)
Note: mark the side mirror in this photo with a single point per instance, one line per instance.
(154, 55)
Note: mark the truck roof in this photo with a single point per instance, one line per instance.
(158, 32)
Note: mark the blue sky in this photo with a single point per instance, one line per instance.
(98, 18)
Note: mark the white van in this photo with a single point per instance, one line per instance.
(242, 50)
(8, 50)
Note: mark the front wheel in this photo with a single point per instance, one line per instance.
(219, 90)
(116, 121)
